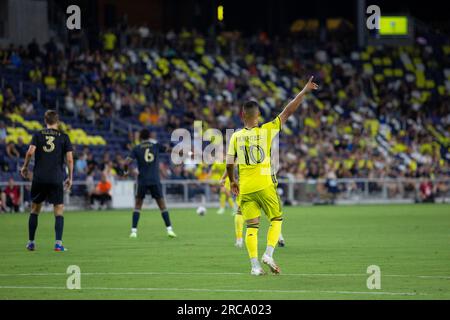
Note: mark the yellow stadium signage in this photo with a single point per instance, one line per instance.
(393, 26)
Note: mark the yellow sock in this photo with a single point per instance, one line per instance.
(238, 225)
(231, 202)
(251, 241)
(274, 233)
(223, 198)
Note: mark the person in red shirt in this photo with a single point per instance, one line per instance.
(12, 193)
(426, 191)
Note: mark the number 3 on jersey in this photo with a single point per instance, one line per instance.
(50, 146)
(148, 156)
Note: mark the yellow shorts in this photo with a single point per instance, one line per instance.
(266, 199)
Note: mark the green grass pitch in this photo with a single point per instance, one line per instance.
(326, 257)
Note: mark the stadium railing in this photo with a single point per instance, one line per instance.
(193, 193)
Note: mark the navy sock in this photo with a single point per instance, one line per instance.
(59, 226)
(32, 226)
(136, 215)
(165, 216)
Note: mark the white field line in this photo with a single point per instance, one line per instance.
(223, 290)
(217, 274)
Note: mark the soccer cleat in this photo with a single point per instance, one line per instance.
(257, 272)
(31, 246)
(171, 234)
(133, 235)
(281, 243)
(221, 211)
(60, 248)
(271, 264)
(239, 243)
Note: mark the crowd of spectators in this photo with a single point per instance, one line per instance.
(356, 126)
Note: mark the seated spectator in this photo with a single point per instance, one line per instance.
(50, 81)
(3, 132)
(26, 107)
(426, 189)
(102, 192)
(21, 147)
(11, 151)
(81, 164)
(12, 193)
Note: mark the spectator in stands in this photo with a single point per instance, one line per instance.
(50, 80)
(81, 164)
(21, 147)
(92, 164)
(102, 192)
(26, 107)
(12, 193)
(109, 41)
(11, 151)
(3, 132)
(427, 192)
(33, 49)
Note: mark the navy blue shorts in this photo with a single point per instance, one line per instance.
(50, 192)
(155, 191)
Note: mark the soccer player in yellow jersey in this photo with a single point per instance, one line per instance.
(216, 173)
(238, 219)
(250, 148)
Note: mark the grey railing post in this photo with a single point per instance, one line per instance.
(185, 192)
(366, 188)
(291, 191)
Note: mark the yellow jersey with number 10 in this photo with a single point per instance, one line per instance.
(252, 150)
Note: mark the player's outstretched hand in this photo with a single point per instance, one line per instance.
(310, 86)
(234, 188)
(67, 184)
(24, 173)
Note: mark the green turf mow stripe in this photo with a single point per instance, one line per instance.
(223, 290)
(218, 274)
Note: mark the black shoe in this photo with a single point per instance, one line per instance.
(281, 243)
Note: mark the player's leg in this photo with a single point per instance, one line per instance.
(33, 224)
(230, 199)
(238, 224)
(271, 204)
(165, 215)
(56, 197)
(38, 195)
(139, 200)
(251, 213)
(239, 228)
(222, 200)
(59, 226)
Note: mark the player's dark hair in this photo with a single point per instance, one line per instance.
(144, 134)
(51, 117)
(250, 107)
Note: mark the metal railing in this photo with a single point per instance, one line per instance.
(192, 193)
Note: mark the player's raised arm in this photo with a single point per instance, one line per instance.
(28, 156)
(69, 161)
(295, 103)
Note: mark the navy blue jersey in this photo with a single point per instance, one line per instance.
(147, 156)
(51, 149)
